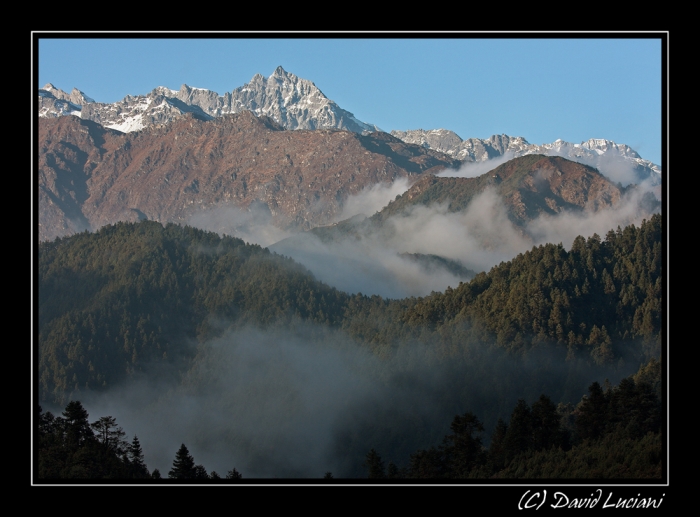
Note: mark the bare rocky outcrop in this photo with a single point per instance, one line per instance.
(617, 161)
(90, 176)
(297, 103)
(530, 186)
(54, 102)
(471, 150)
(292, 102)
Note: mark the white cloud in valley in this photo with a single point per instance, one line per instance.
(475, 169)
(253, 224)
(370, 260)
(373, 198)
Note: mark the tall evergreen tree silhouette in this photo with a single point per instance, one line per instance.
(183, 465)
(136, 458)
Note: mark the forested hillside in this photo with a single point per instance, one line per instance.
(596, 298)
(135, 293)
(614, 432)
(70, 447)
(119, 302)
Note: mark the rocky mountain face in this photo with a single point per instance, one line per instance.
(292, 102)
(447, 228)
(530, 186)
(171, 154)
(297, 103)
(54, 102)
(90, 175)
(471, 150)
(618, 161)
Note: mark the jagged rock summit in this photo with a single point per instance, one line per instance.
(297, 103)
(471, 150)
(617, 161)
(292, 102)
(54, 102)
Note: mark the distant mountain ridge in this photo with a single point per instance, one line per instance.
(89, 176)
(297, 103)
(292, 102)
(530, 186)
(54, 102)
(462, 219)
(117, 161)
(618, 161)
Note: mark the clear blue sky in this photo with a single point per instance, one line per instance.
(542, 89)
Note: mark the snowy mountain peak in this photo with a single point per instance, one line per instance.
(162, 90)
(297, 103)
(279, 71)
(54, 102)
(79, 98)
(602, 145)
(617, 161)
(471, 150)
(55, 92)
(293, 102)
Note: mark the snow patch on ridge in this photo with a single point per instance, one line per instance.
(129, 125)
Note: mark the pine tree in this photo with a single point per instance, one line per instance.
(78, 429)
(518, 437)
(428, 463)
(546, 426)
(591, 412)
(497, 451)
(135, 454)
(463, 448)
(200, 472)
(183, 465)
(375, 465)
(233, 474)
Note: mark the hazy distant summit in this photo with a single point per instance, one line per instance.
(292, 102)
(619, 161)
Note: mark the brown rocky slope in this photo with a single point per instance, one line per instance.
(89, 176)
(530, 186)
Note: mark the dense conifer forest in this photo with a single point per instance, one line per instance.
(516, 348)
(70, 447)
